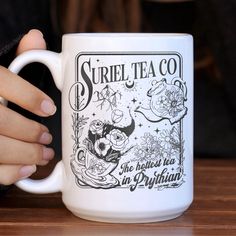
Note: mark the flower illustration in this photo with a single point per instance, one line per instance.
(148, 139)
(165, 154)
(162, 105)
(170, 104)
(140, 154)
(174, 101)
(118, 139)
(101, 146)
(165, 140)
(100, 167)
(96, 127)
(149, 148)
(117, 116)
(97, 167)
(98, 153)
(169, 142)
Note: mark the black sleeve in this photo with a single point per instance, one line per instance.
(8, 50)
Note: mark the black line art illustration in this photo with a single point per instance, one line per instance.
(166, 101)
(102, 149)
(128, 133)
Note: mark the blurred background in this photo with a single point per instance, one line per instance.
(211, 22)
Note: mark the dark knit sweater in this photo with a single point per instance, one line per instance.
(17, 17)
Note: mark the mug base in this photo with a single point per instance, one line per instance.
(129, 218)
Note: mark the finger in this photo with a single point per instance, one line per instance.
(19, 91)
(33, 40)
(24, 129)
(10, 174)
(17, 152)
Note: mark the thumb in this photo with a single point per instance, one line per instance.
(32, 40)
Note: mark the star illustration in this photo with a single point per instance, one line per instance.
(157, 130)
(93, 114)
(135, 138)
(140, 125)
(133, 100)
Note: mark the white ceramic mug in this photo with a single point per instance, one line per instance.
(127, 125)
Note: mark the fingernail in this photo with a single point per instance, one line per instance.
(48, 154)
(45, 138)
(26, 171)
(36, 31)
(48, 107)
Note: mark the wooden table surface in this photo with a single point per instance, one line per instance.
(213, 211)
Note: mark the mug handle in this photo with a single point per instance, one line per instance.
(53, 183)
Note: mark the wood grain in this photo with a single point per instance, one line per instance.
(213, 211)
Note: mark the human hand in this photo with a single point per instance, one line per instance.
(22, 141)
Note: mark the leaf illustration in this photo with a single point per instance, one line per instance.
(89, 145)
(114, 157)
(113, 102)
(80, 132)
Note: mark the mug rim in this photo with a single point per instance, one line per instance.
(125, 34)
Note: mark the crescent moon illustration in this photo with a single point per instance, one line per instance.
(129, 86)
